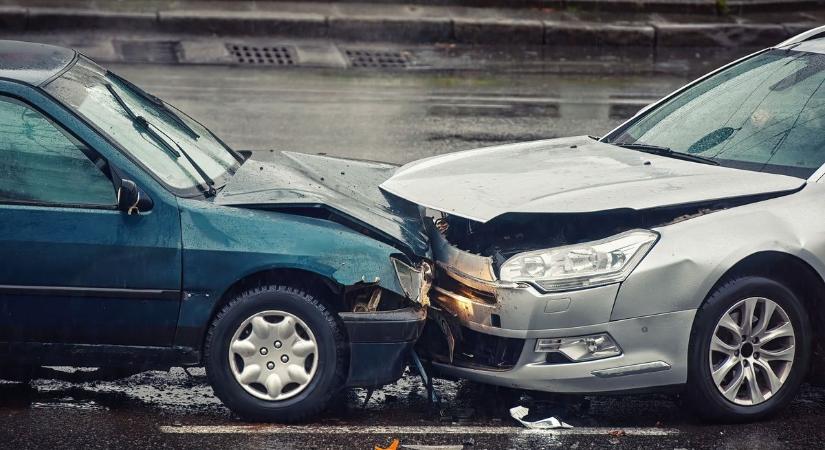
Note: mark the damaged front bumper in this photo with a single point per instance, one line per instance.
(380, 343)
(513, 334)
(381, 340)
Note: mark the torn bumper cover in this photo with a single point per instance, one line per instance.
(515, 335)
(380, 343)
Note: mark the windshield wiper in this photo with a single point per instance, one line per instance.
(156, 102)
(664, 151)
(155, 133)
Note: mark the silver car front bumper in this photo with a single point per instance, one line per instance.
(653, 348)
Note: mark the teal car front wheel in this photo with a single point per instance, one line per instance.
(275, 353)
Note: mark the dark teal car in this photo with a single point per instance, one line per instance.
(131, 237)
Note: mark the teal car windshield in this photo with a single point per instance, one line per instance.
(93, 93)
(764, 114)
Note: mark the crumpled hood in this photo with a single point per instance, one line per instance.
(348, 188)
(569, 175)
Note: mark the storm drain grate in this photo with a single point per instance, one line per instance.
(262, 56)
(378, 59)
(163, 52)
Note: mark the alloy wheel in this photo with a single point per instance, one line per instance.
(752, 351)
(273, 355)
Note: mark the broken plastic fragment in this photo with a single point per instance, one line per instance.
(550, 423)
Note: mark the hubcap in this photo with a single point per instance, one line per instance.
(752, 351)
(273, 355)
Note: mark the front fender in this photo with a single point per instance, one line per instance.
(691, 256)
(222, 245)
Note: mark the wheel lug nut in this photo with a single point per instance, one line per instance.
(264, 351)
(755, 340)
(270, 365)
(284, 358)
(756, 355)
(278, 344)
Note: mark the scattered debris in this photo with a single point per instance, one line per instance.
(617, 433)
(550, 423)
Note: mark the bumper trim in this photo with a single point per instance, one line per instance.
(633, 369)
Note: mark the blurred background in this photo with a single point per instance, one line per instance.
(399, 80)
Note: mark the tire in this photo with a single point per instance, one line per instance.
(742, 362)
(310, 320)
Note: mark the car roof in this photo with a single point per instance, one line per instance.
(32, 63)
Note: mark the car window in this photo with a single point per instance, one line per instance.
(84, 89)
(42, 163)
(766, 114)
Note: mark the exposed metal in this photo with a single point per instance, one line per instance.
(273, 355)
(752, 351)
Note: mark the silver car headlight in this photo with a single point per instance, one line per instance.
(583, 265)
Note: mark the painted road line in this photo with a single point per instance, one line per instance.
(405, 430)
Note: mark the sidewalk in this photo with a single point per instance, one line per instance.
(406, 23)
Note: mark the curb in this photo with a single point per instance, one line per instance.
(46, 19)
(599, 34)
(498, 31)
(391, 28)
(242, 22)
(719, 35)
(407, 29)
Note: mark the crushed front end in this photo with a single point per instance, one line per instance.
(552, 336)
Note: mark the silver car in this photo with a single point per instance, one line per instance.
(685, 249)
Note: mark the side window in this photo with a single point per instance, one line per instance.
(40, 162)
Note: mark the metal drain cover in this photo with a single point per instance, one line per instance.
(163, 52)
(262, 55)
(378, 59)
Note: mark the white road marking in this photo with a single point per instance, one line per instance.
(405, 430)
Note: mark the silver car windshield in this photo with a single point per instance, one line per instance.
(765, 114)
(84, 88)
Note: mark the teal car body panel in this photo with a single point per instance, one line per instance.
(223, 245)
(92, 285)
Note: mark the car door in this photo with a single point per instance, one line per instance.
(73, 268)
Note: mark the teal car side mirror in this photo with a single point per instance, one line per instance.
(132, 200)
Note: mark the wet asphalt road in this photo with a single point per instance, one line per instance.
(398, 117)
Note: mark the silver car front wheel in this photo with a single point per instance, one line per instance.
(752, 351)
(750, 348)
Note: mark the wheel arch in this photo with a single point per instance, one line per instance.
(797, 275)
(325, 289)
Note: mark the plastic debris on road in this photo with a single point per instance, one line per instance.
(550, 423)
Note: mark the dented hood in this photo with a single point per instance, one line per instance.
(347, 189)
(569, 175)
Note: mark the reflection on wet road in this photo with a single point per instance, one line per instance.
(178, 410)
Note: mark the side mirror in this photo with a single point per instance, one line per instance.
(131, 200)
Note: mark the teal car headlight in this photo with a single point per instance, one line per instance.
(583, 265)
(415, 282)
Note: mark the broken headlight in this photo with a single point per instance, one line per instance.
(416, 282)
(583, 265)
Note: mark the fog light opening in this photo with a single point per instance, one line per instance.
(581, 348)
